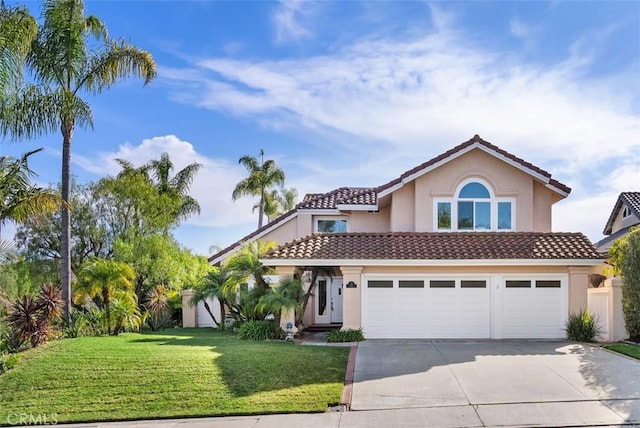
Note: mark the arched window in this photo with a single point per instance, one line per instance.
(474, 208)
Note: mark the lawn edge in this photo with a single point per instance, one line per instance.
(347, 391)
(628, 357)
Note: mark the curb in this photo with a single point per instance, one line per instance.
(348, 378)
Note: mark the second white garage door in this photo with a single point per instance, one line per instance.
(464, 307)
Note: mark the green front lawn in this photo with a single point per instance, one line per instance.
(626, 349)
(187, 372)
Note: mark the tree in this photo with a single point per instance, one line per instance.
(19, 199)
(38, 238)
(246, 264)
(288, 295)
(262, 175)
(626, 258)
(106, 280)
(278, 201)
(65, 65)
(216, 285)
(175, 189)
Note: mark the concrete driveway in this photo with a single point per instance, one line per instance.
(498, 382)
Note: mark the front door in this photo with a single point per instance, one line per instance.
(328, 300)
(336, 300)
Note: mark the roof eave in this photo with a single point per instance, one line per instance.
(432, 262)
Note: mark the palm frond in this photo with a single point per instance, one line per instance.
(118, 61)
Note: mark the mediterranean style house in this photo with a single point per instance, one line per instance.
(458, 247)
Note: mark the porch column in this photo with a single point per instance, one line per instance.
(578, 284)
(189, 313)
(287, 315)
(351, 300)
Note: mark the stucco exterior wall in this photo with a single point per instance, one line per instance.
(542, 202)
(464, 269)
(505, 181)
(351, 300)
(402, 216)
(578, 284)
(362, 221)
(285, 232)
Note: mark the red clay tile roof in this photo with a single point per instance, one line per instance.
(341, 196)
(460, 147)
(438, 246)
(631, 200)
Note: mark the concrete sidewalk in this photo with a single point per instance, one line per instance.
(557, 414)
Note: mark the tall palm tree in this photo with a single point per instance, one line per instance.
(278, 201)
(65, 66)
(262, 175)
(105, 279)
(19, 198)
(176, 188)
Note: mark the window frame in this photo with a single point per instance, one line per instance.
(493, 209)
(331, 218)
(626, 212)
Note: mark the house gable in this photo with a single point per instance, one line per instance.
(626, 213)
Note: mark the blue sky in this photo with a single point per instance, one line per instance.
(354, 93)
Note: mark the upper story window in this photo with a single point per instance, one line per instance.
(331, 225)
(626, 212)
(474, 208)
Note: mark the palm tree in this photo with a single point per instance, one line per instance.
(262, 176)
(19, 199)
(18, 29)
(105, 279)
(278, 201)
(176, 188)
(64, 67)
(216, 285)
(288, 295)
(246, 264)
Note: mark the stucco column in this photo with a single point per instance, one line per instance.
(351, 300)
(578, 284)
(286, 315)
(189, 313)
(617, 326)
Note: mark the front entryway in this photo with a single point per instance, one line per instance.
(328, 300)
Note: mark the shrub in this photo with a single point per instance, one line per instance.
(349, 335)
(8, 361)
(257, 330)
(583, 327)
(78, 325)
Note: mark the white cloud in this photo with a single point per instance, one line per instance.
(393, 103)
(290, 19)
(212, 186)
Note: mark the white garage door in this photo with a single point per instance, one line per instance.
(534, 307)
(464, 307)
(434, 307)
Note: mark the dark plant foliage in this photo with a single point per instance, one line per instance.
(30, 320)
(257, 330)
(350, 335)
(583, 327)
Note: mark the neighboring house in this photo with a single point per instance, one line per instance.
(625, 215)
(458, 247)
